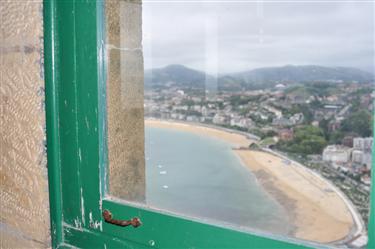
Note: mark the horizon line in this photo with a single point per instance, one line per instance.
(255, 68)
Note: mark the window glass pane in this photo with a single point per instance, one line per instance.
(256, 115)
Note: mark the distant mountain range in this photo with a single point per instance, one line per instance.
(253, 79)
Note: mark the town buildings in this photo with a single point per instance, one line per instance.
(337, 154)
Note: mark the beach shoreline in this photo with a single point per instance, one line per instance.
(316, 211)
(287, 203)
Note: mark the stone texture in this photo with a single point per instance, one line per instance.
(125, 100)
(24, 205)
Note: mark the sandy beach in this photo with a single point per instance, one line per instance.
(317, 212)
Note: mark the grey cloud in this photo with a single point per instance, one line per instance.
(251, 35)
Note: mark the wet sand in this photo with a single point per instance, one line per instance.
(316, 211)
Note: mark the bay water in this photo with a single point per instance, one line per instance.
(201, 176)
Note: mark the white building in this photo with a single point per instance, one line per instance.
(336, 154)
(368, 144)
(178, 108)
(362, 153)
(197, 108)
(364, 144)
(357, 156)
(219, 119)
(192, 119)
(181, 92)
(280, 86)
(367, 160)
(297, 118)
(204, 111)
(241, 122)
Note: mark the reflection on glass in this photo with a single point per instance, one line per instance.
(257, 115)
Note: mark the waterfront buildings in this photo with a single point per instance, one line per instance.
(337, 154)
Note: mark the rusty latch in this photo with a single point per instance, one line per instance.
(135, 222)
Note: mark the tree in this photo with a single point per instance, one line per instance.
(336, 137)
(359, 122)
(301, 108)
(313, 145)
(323, 124)
(306, 131)
(307, 139)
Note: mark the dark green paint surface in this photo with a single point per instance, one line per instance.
(76, 148)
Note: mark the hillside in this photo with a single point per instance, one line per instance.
(296, 74)
(174, 75)
(254, 79)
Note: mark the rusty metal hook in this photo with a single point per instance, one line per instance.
(135, 222)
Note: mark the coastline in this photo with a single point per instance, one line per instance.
(315, 209)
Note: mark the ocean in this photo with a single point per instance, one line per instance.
(200, 176)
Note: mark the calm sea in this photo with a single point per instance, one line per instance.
(200, 176)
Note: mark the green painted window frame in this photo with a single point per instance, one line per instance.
(76, 150)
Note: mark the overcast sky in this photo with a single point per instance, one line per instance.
(227, 37)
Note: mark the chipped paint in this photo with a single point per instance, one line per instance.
(95, 224)
(82, 207)
(87, 123)
(80, 154)
(77, 223)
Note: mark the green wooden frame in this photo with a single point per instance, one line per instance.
(75, 114)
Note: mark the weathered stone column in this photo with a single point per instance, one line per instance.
(125, 100)
(24, 203)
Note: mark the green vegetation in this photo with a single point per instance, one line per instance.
(257, 132)
(187, 102)
(244, 112)
(254, 146)
(307, 139)
(321, 89)
(299, 90)
(190, 113)
(237, 100)
(262, 134)
(362, 91)
(235, 127)
(267, 141)
(359, 122)
(300, 108)
(336, 137)
(324, 125)
(259, 121)
(333, 137)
